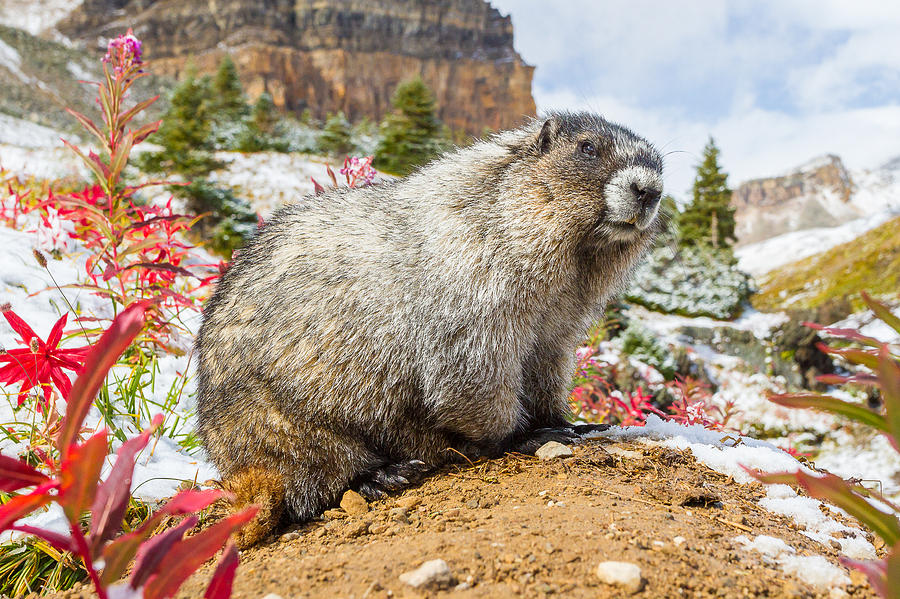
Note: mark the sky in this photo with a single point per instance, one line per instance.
(775, 82)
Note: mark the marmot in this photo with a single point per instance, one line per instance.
(364, 334)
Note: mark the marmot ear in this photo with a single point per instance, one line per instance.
(548, 135)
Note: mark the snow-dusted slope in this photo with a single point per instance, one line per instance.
(875, 200)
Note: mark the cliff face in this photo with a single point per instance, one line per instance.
(330, 55)
(817, 194)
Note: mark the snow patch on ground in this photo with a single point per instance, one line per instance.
(767, 255)
(814, 570)
(729, 455)
(35, 16)
(271, 179)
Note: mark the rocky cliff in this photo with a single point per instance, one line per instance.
(330, 55)
(817, 194)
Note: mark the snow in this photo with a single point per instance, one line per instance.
(767, 255)
(35, 17)
(729, 455)
(875, 199)
(814, 570)
(270, 179)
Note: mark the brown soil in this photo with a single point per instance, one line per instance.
(493, 524)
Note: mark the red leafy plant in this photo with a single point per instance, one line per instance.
(163, 562)
(137, 252)
(879, 365)
(596, 399)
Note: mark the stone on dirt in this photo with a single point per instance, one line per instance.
(354, 504)
(434, 574)
(552, 450)
(623, 574)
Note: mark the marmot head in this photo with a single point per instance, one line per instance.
(606, 180)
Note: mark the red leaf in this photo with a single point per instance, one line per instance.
(152, 552)
(20, 506)
(79, 474)
(184, 558)
(222, 579)
(16, 474)
(316, 187)
(875, 571)
(61, 542)
(112, 495)
(101, 358)
(20, 326)
(119, 553)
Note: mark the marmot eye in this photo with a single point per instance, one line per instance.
(588, 149)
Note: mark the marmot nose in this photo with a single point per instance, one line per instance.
(647, 197)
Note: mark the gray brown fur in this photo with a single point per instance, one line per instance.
(370, 327)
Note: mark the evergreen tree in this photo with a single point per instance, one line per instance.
(227, 102)
(186, 139)
(185, 131)
(259, 132)
(709, 218)
(335, 138)
(264, 117)
(410, 135)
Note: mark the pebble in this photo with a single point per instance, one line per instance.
(272, 596)
(678, 541)
(354, 504)
(623, 574)
(552, 450)
(290, 536)
(434, 574)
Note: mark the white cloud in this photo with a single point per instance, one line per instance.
(774, 82)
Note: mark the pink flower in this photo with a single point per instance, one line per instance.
(124, 52)
(358, 171)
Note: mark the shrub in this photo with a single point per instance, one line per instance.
(692, 282)
(335, 138)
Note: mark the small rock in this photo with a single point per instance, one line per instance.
(357, 529)
(334, 514)
(678, 541)
(432, 574)
(377, 528)
(623, 574)
(409, 502)
(552, 450)
(272, 596)
(290, 536)
(472, 504)
(354, 504)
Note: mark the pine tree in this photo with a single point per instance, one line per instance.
(264, 117)
(709, 218)
(259, 130)
(335, 138)
(228, 102)
(410, 135)
(185, 131)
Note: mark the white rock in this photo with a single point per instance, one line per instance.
(433, 573)
(552, 449)
(272, 596)
(623, 574)
(678, 541)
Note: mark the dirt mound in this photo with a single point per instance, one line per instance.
(519, 526)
